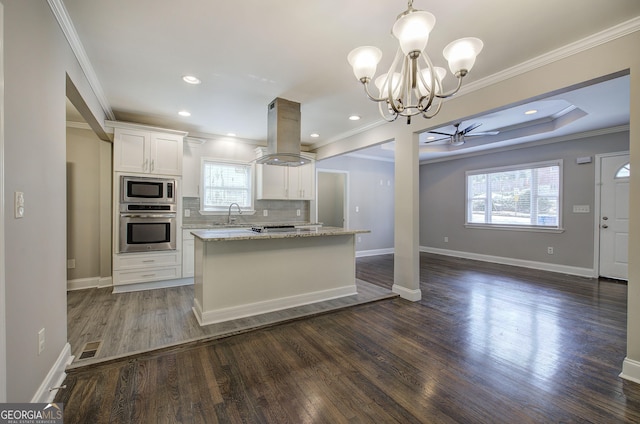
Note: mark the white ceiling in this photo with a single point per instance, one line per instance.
(249, 53)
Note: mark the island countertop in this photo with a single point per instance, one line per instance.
(229, 234)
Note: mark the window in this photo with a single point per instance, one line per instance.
(224, 183)
(624, 172)
(522, 196)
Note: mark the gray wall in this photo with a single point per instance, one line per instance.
(37, 62)
(88, 233)
(442, 204)
(371, 189)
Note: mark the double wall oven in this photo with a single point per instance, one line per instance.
(147, 214)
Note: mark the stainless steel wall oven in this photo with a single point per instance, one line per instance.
(145, 227)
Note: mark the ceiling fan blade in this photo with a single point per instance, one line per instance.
(471, 127)
(441, 133)
(438, 139)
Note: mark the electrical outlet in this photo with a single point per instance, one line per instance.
(357, 208)
(40, 341)
(446, 239)
(187, 213)
(265, 212)
(359, 239)
(550, 250)
(71, 263)
(297, 212)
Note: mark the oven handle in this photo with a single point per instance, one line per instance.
(148, 215)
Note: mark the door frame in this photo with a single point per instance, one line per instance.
(596, 205)
(3, 321)
(345, 199)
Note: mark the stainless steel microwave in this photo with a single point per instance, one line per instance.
(135, 189)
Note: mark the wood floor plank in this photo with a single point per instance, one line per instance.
(486, 344)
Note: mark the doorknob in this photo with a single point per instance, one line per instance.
(605, 218)
(605, 226)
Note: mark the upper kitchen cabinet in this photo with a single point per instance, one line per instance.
(275, 182)
(145, 150)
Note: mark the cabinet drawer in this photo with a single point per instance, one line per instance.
(145, 275)
(147, 260)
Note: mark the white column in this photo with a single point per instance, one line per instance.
(631, 365)
(406, 274)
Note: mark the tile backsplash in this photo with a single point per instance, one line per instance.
(278, 211)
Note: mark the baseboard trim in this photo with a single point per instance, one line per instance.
(374, 252)
(89, 283)
(152, 285)
(257, 308)
(544, 266)
(407, 294)
(630, 370)
(54, 378)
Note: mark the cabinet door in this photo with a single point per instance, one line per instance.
(307, 181)
(131, 151)
(166, 154)
(271, 182)
(188, 255)
(301, 182)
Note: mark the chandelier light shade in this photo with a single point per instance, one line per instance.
(413, 86)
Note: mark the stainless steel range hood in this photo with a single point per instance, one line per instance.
(283, 135)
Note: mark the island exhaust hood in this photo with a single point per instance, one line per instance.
(283, 135)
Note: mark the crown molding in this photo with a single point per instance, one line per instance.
(64, 20)
(594, 40)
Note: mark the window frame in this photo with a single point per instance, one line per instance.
(515, 227)
(224, 210)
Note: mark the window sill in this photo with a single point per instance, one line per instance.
(553, 230)
(226, 212)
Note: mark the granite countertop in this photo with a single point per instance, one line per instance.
(240, 225)
(228, 234)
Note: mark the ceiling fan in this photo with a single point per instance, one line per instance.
(458, 136)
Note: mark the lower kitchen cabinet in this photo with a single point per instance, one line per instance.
(188, 249)
(131, 268)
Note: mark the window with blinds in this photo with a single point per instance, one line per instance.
(224, 183)
(522, 196)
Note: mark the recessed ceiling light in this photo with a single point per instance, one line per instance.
(531, 112)
(431, 137)
(184, 113)
(315, 135)
(354, 117)
(231, 134)
(190, 79)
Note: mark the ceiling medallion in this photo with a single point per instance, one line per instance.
(413, 86)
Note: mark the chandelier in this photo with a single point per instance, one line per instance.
(413, 86)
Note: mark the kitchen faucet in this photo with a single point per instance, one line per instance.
(229, 215)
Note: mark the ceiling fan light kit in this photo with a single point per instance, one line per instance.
(413, 85)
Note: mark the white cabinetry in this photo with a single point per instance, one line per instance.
(286, 182)
(188, 249)
(147, 152)
(131, 268)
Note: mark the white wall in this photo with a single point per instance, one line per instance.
(37, 62)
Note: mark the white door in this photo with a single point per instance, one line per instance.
(614, 216)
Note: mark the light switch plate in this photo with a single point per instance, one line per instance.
(19, 204)
(580, 208)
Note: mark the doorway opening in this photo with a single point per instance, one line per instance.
(332, 202)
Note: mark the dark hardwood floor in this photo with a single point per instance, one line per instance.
(486, 344)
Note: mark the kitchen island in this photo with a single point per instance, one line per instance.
(240, 273)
